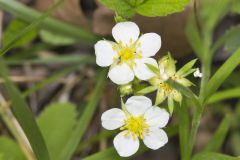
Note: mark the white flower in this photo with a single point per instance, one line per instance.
(127, 57)
(197, 73)
(139, 120)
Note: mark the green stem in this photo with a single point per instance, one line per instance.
(15, 129)
(206, 70)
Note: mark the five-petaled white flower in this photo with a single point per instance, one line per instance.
(138, 120)
(129, 55)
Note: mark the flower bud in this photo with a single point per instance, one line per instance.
(126, 89)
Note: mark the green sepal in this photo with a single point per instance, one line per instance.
(170, 105)
(153, 68)
(160, 97)
(125, 89)
(147, 90)
(185, 70)
(169, 64)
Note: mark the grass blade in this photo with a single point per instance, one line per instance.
(29, 15)
(217, 140)
(224, 95)
(213, 156)
(24, 117)
(32, 26)
(221, 74)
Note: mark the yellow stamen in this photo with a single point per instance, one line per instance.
(136, 127)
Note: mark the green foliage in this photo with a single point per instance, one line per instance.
(16, 26)
(24, 116)
(212, 15)
(56, 39)
(235, 6)
(187, 68)
(170, 105)
(56, 123)
(213, 156)
(30, 15)
(153, 68)
(153, 8)
(224, 95)
(235, 142)
(149, 8)
(222, 73)
(229, 40)
(9, 150)
(122, 7)
(108, 154)
(232, 42)
(183, 128)
(84, 120)
(219, 136)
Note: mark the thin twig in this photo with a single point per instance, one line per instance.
(15, 128)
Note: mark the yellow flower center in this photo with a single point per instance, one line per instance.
(127, 54)
(167, 89)
(136, 126)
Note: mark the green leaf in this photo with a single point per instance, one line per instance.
(224, 95)
(229, 36)
(153, 68)
(60, 59)
(9, 150)
(15, 26)
(184, 71)
(219, 136)
(56, 123)
(24, 116)
(28, 14)
(108, 154)
(147, 90)
(56, 39)
(235, 6)
(122, 7)
(194, 37)
(232, 42)
(213, 156)
(153, 8)
(85, 119)
(212, 15)
(235, 142)
(183, 128)
(28, 29)
(221, 74)
(150, 8)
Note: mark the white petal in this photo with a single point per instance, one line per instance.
(141, 70)
(155, 139)
(126, 33)
(104, 53)
(137, 105)
(113, 119)
(197, 73)
(125, 145)
(149, 44)
(156, 117)
(121, 74)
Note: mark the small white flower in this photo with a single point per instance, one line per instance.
(139, 120)
(127, 57)
(197, 73)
